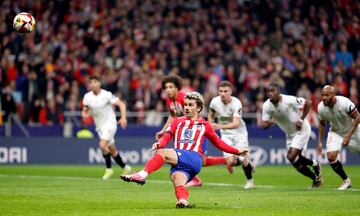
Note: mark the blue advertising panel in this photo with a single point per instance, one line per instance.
(134, 150)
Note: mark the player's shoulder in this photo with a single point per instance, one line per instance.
(267, 104)
(341, 99)
(89, 95)
(216, 100)
(320, 106)
(287, 98)
(235, 100)
(105, 92)
(180, 119)
(202, 121)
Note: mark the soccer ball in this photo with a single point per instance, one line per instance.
(24, 23)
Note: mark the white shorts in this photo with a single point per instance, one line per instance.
(334, 141)
(299, 139)
(107, 132)
(239, 141)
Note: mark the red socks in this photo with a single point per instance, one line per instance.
(181, 192)
(154, 163)
(209, 161)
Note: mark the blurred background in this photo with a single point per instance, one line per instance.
(301, 45)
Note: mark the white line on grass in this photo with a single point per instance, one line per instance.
(75, 178)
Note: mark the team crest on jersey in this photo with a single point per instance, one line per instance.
(188, 133)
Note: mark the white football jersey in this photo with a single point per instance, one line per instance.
(286, 113)
(225, 114)
(338, 115)
(100, 107)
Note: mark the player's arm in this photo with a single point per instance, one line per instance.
(220, 144)
(267, 123)
(321, 132)
(211, 115)
(122, 106)
(234, 124)
(356, 116)
(166, 125)
(164, 140)
(266, 118)
(307, 108)
(85, 111)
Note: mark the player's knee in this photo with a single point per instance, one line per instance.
(291, 157)
(332, 157)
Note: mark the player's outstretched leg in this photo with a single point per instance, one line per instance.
(136, 177)
(195, 182)
(152, 165)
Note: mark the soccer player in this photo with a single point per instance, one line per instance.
(185, 159)
(285, 111)
(344, 118)
(228, 110)
(99, 103)
(172, 85)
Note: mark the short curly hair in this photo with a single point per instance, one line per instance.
(197, 97)
(172, 79)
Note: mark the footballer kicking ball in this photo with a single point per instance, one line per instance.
(24, 23)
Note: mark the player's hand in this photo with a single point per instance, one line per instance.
(216, 126)
(85, 114)
(243, 151)
(267, 124)
(123, 122)
(159, 134)
(346, 139)
(319, 149)
(298, 124)
(155, 146)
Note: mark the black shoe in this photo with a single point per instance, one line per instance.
(316, 183)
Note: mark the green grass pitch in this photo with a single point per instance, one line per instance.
(79, 190)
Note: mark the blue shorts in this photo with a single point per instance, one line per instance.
(189, 163)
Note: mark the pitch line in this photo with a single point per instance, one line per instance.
(75, 178)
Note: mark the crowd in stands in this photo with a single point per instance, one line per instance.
(131, 44)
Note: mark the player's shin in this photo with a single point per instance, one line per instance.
(338, 168)
(154, 163)
(302, 167)
(107, 160)
(181, 192)
(119, 161)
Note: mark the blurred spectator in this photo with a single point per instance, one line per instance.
(8, 106)
(131, 45)
(155, 116)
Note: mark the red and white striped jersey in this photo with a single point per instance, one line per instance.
(189, 135)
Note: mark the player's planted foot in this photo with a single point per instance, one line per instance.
(346, 184)
(249, 184)
(195, 182)
(316, 183)
(108, 173)
(126, 170)
(182, 204)
(134, 178)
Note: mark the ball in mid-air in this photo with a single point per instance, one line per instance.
(24, 23)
